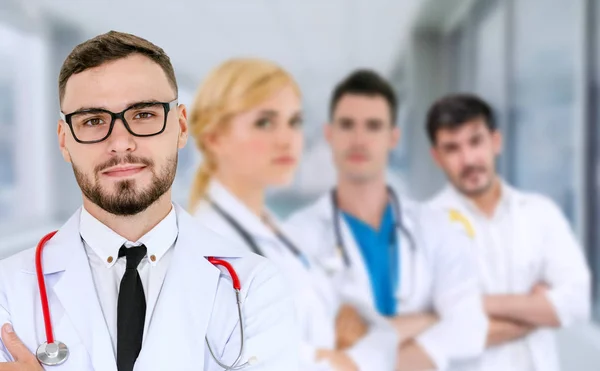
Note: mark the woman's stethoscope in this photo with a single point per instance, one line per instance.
(54, 353)
(252, 243)
(393, 240)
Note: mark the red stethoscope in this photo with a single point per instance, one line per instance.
(54, 353)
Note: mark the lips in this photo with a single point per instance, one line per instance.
(357, 157)
(125, 170)
(284, 160)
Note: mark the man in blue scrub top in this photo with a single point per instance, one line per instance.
(384, 252)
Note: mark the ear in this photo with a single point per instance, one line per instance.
(497, 142)
(62, 132)
(183, 125)
(327, 129)
(436, 156)
(396, 135)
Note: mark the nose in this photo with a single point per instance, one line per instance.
(358, 135)
(468, 155)
(120, 139)
(286, 135)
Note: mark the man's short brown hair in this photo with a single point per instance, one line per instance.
(108, 47)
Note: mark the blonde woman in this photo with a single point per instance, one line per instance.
(246, 120)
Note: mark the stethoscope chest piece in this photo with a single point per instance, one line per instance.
(52, 354)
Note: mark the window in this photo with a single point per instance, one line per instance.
(457, 59)
(593, 172)
(8, 181)
(544, 99)
(23, 126)
(25, 201)
(491, 59)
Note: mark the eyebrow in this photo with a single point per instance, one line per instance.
(274, 113)
(268, 112)
(139, 104)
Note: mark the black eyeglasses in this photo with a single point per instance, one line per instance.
(143, 119)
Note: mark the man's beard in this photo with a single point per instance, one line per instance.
(477, 191)
(125, 200)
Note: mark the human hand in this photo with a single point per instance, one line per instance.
(349, 327)
(24, 359)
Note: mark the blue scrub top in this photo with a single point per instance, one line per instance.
(379, 250)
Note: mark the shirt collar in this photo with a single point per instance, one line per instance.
(247, 219)
(106, 243)
(506, 197)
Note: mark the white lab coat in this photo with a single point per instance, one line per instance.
(437, 275)
(316, 301)
(544, 250)
(196, 299)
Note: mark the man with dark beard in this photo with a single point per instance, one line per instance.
(531, 268)
(128, 277)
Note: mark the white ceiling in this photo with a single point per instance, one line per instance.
(317, 40)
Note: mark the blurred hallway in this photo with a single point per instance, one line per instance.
(537, 61)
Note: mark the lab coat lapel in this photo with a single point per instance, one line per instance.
(519, 246)
(356, 284)
(408, 277)
(175, 338)
(359, 272)
(450, 201)
(76, 293)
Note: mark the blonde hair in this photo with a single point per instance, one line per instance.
(233, 87)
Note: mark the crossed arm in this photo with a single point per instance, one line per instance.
(510, 317)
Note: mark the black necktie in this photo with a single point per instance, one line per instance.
(131, 310)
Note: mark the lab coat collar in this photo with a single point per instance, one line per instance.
(66, 244)
(106, 243)
(324, 208)
(61, 249)
(240, 212)
(451, 198)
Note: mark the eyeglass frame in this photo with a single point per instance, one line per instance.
(167, 106)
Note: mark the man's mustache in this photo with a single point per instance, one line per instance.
(469, 170)
(128, 159)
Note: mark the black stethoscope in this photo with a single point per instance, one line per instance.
(54, 353)
(251, 242)
(393, 239)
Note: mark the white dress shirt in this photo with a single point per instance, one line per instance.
(495, 258)
(102, 246)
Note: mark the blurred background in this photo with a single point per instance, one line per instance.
(536, 61)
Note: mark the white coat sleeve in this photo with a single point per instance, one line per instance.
(565, 269)
(270, 328)
(308, 362)
(4, 318)
(378, 349)
(461, 331)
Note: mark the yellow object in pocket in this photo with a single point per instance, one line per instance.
(457, 216)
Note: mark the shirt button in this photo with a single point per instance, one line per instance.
(110, 259)
(153, 258)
